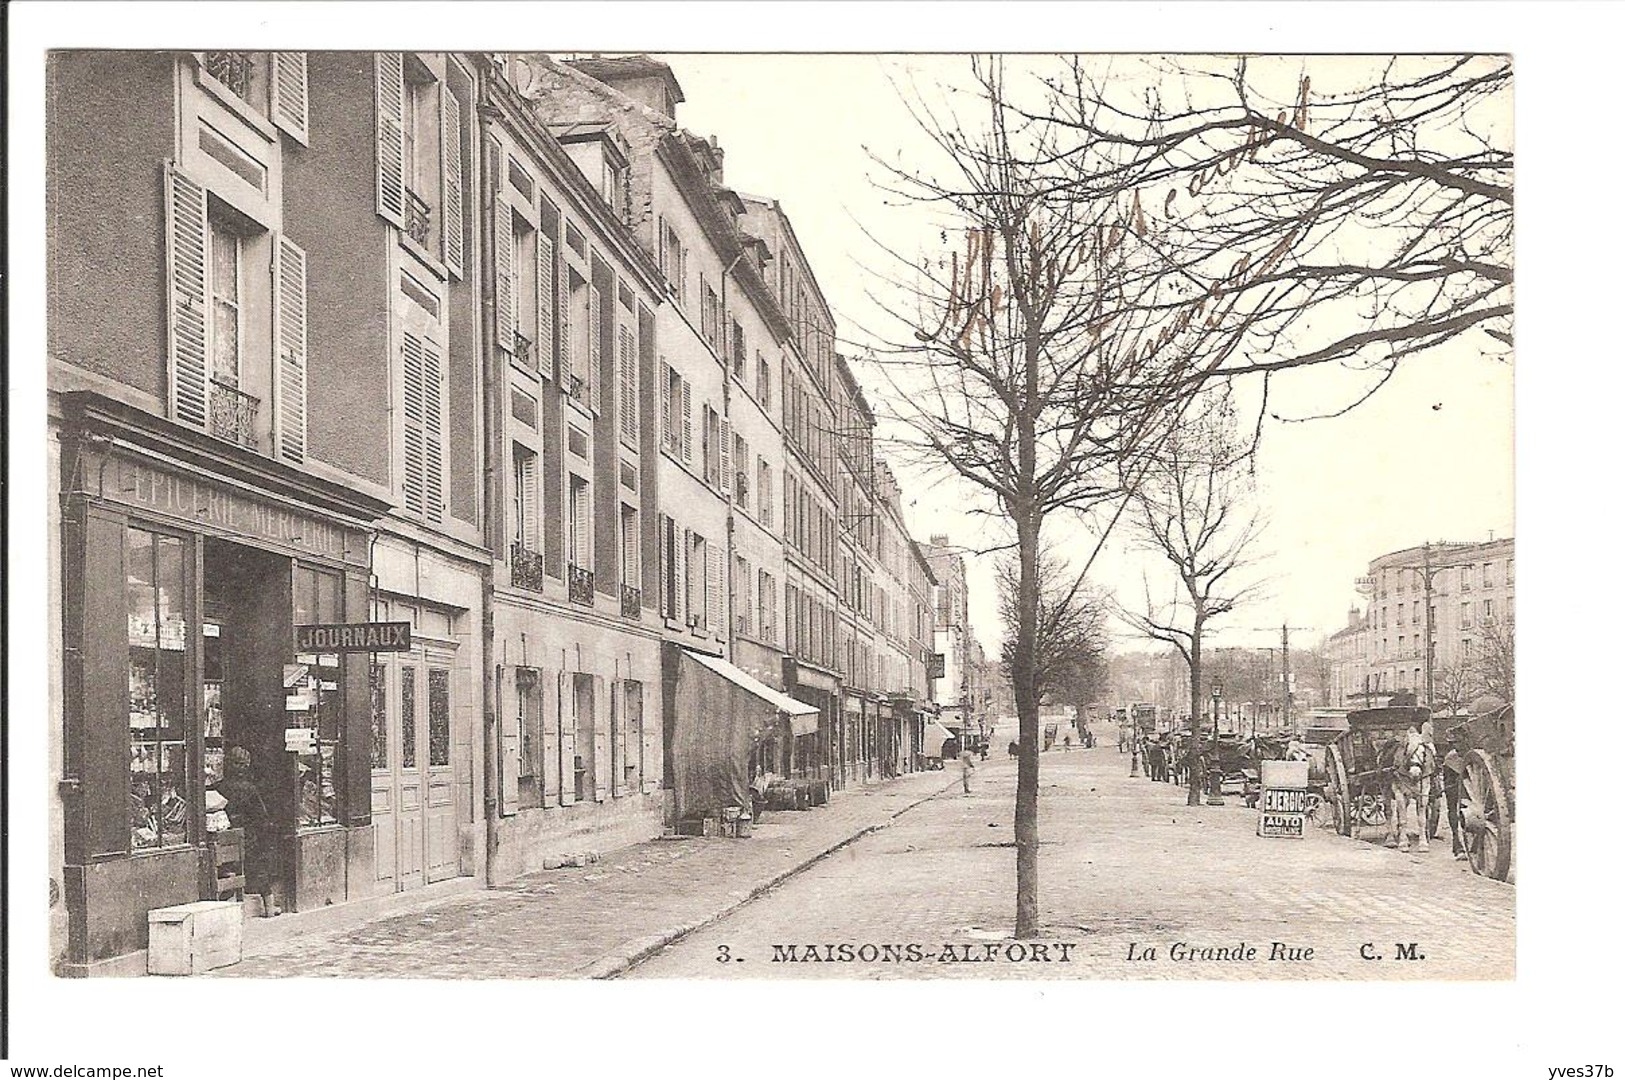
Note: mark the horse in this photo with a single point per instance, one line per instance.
(1411, 779)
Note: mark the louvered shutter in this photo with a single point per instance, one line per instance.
(684, 586)
(412, 426)
(530, 495)
(660, 244)
(649, 721)
(713, 592)
(580, 523)
(290, 350)
(600, 738)
(629, 384)
(665, 565)
(688, 423)
(567, 739)
(507, 705)
(290, 95)
(549, 721)
(503, 240)
(567, 352)
(451, 173)
(617, 740)
(726, 458)
(188, 353)
(546, 303)
(668, 431)
(589, 372)
(390, 87)
(434, 433)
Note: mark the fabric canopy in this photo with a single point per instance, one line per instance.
(803, 717)
(935, 736)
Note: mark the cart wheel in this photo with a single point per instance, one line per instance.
(1337, 791)
(1488, 819)
(1371, 810)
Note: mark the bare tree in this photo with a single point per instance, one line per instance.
(1191, 508)
(1071, 635)
(1454, 685)
(1495, 661)
(1354, 210)
(1019, 375)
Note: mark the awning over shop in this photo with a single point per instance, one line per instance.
(803, 717)
(935, 736)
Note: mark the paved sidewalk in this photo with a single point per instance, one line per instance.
(596, 921)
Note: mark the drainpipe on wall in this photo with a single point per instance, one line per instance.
(495, 376)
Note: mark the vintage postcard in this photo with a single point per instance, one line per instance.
(529, 515)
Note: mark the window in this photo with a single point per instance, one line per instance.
(764, 493)
(580, 333)
(673, 261)
(1509, 571)
(578, 536)
(528, 682)
(764, 384)
(527, 535)
(741, 591)
(710, 317)
(1466, 614)
(676, 415)
(1489, 611)
(527, 347)
(1489, 575)
(314, 701)
(155, 611)
(741, 467)
(423, 426)
(627, 364)
(695, 567)
(766, 596)
(1416, 612)
(631, 550)
(636, 764)
(713, 450)
(1465, 578)
(670, 567)
(738, 339)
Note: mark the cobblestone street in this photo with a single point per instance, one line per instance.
(586, 921)
(1123, 863)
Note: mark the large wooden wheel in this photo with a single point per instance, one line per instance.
(1487, 817)
(1337, 791)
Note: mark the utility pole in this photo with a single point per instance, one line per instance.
(1286, 685)
(1427, 591)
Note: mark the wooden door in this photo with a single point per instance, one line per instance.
(398, 774)
(440, 810)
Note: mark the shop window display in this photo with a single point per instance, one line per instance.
(312, 702)
(155, 609)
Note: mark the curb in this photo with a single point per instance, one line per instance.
(618, 963)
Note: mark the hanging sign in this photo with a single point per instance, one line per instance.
(353, 637)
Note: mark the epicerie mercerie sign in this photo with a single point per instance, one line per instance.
(353, 637)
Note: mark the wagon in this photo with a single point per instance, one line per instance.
(1360, 766)
(1488, 807)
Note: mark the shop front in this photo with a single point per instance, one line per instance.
(815, 752)
(195, 722)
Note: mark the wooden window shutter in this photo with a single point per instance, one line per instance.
(547, 300)
(684, 585)
(434, 433)
(660, 244)
(530, 495)
(451, 173)
(188, 353)
(504, 254)
(390, 84)
(548, 731)
(507, 705)
(567, 351)
(668, 431)
(567, 738)
(629, 384)
(595, 342)
(291, 363)
(688, 423)
(713, 591)
(665, 564)
(650, 727)
(725, 459)
(581, 523)
(290, 95)
(412, 426)
(600, 738)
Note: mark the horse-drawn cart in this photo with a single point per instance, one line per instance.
(1487, 789)
(1362, 766)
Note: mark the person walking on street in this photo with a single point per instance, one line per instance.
(967, 765)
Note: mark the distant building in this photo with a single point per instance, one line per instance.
(1385, 649)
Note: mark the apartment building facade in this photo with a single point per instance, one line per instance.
(264, 403)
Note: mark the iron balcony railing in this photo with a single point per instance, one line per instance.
(527, 567)
(233, 415)
(576, 387)
(417, 218)
(233, 69)
(580, 584)
(631, 601)
(523, 349)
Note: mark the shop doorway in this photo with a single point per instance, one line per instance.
(413, 806)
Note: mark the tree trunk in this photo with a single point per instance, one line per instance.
(1193, 794)
(1026, 692)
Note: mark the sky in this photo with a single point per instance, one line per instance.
(1430, 457)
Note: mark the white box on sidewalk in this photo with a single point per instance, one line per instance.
(1283, 774)
(192, 938)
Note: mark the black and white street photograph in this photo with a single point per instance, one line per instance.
(538, 497)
